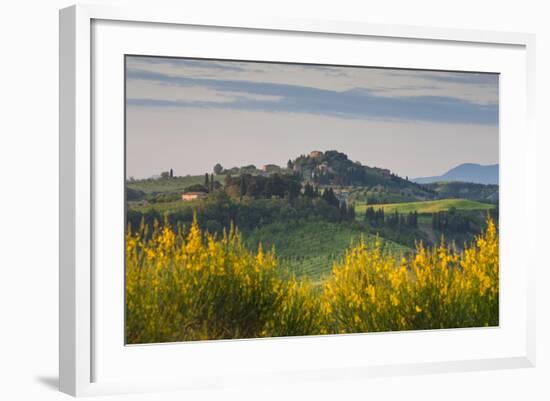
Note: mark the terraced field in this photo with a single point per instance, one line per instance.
(311, 248)
(427, 206)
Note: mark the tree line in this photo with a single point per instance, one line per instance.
(451, 221)
(377, 218)
(220, 210)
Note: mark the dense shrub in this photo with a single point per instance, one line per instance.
(195, 287)
(434, 288)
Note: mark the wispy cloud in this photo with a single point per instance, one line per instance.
(470, 78)
(472, 87)
(409, 102)
(152, 90)
(193, 63)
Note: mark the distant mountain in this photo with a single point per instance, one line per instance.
(467, 172)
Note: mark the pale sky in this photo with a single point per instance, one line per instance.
(190, 114)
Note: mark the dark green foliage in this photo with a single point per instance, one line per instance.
(196, 188)
(374, 218)
(247, 214)
(329, 197)
(258, 186)
(134, 194)
(451, 221)
(343, 210)
(308, 190)
(162, 197)
(412, 219)
(351, 212)
(242, 186)
(213, 226)
(465, 190)
(249, 169)
(393, 220)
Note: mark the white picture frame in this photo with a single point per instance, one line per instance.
(84, 348)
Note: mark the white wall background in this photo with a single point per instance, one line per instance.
(29, 196)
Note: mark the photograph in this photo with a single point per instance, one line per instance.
(267, 199)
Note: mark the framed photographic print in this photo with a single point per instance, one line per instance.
(271, 200)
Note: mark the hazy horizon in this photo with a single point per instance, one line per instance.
(189, 114)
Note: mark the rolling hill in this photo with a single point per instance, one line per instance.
(333, 168)
(467, 172)
(429, 206)
(465, 190)
(310, 248)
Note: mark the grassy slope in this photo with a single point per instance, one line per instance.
(311, 248)
(176, 184)
(428, 206)
(163, 207)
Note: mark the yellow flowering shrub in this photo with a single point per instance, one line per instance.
(435, 288)
(194, 286)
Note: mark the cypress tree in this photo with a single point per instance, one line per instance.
(343, 211)
(242, 186)
(351, 212)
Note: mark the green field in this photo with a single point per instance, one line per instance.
(310, 248)
(176, 184)
(163, 207)
(427, 206)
